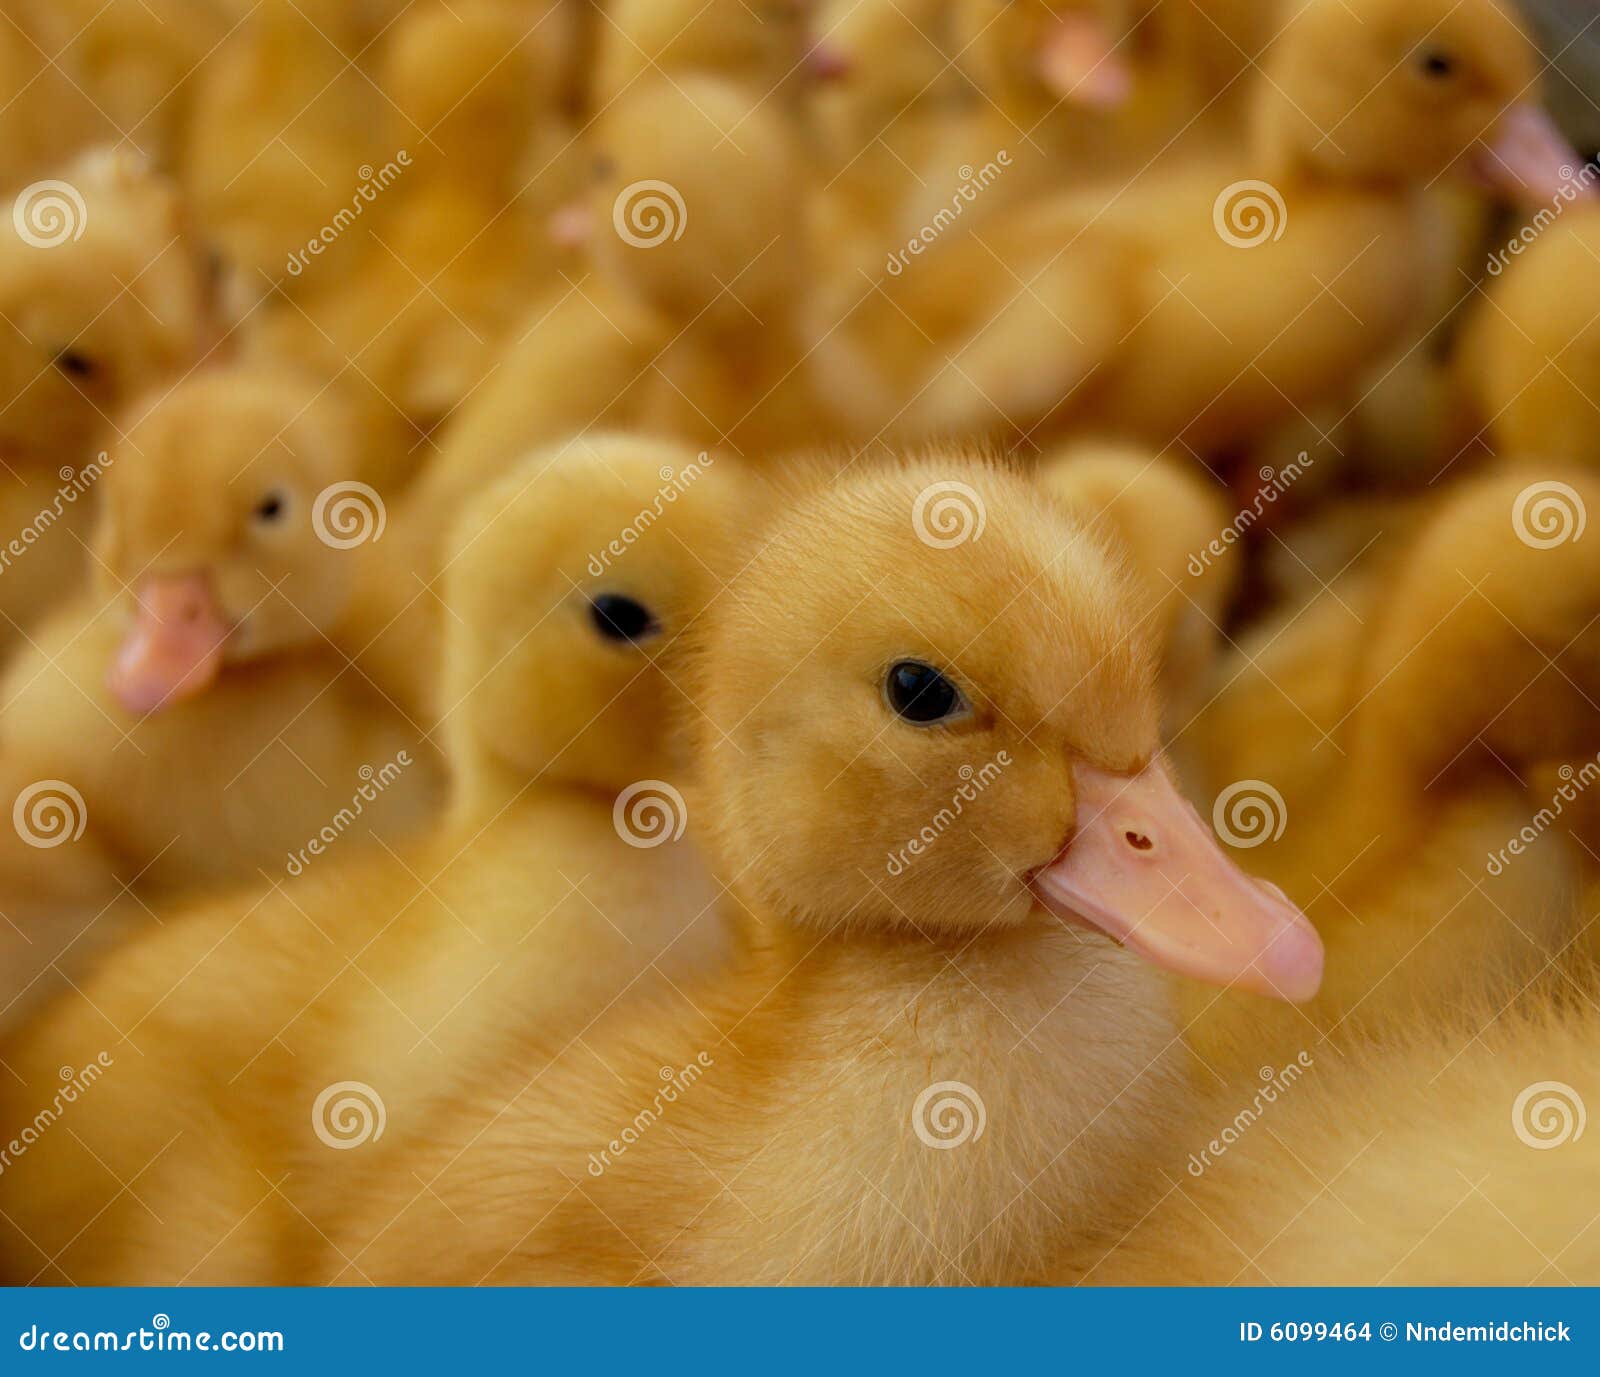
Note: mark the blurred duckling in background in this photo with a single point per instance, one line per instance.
(553, 888)
(103, 293)
(193, 699)
(44, 121)
(832, 720)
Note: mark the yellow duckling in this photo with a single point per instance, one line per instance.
(191, 703)
(1529, 356)
(886, 986)
(44, 121)
(554, 887)
(103, 294)
(1217, 300)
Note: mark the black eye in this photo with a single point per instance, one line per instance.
(1437, 64)
(74, 364)
(605, 168)
(270, 509)
(619, 618)
(921, 694)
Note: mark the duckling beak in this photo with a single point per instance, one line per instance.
(1528, 161)
(572, 226)
(826, 62)
(1144, 869)
(1079, 63)
(174, 649)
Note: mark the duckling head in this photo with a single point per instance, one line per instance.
(698, 203)
(1399, 91)
(229, 528)
(567, 581)
(928, 706)
(1050, 53)
(101, 294)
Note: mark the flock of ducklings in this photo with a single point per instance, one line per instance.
(816, 641)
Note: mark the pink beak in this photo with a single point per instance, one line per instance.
(174, 650)
(1144, 869)
(572, 226)
(1080, 63)
(828, 63)
(1529, 161)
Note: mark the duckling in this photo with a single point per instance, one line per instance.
(191, 701)
(550, 889)
(1529, 356)
(103, 293)
(763, 43)
(1378, 765)
(45, 121)
(1220, 298)
(281, 147)
(871, 1005)
(1444, 1154)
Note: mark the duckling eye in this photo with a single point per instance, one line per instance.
(1437, 64)
(921, 694)
(619, 618)
(605, 167)
(75, 364)
(271, 509)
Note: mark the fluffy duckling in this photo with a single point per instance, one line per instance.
(1529, 356)
(102, 294)
(1444, 1154)
(1221, 298)
(191, 701)
(44, 121)
(553, 888)
(873, 1005)
(282, 144)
